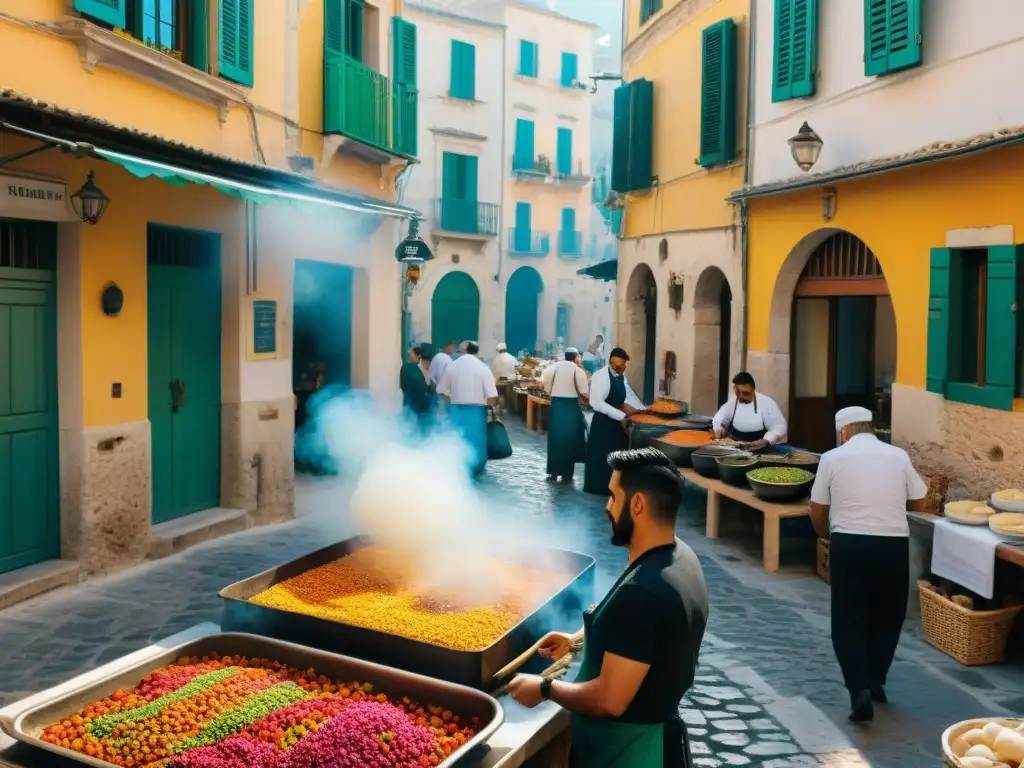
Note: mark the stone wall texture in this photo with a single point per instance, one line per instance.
(257, 459)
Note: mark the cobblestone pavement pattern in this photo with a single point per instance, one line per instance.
(768, 695)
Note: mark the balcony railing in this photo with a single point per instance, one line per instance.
(364, 105)
(466, 216)
(570, 244)
(525, 168)
(572, 175)
(527, 242)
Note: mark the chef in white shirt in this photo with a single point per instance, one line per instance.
(613, 402)
(750, 417)
(504, 365)
(862, 491)
(566, 382)
(468, 384)
(440, 362)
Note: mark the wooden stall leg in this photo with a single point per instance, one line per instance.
(771, 542)
(530, 411)
(714, 507)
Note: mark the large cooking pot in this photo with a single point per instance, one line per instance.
(642, 433)
(705, 459)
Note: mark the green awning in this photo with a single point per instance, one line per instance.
(319, 197)
(603, 270)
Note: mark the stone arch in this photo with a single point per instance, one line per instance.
(712, 340)
(522, 310)
(640, 330)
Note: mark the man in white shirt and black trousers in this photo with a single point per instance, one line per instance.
(859, 501)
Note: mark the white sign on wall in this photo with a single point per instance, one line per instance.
(22, 197)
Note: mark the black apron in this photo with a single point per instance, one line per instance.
(606, 436)
(746, 437)
(606, 743)
(567, 433)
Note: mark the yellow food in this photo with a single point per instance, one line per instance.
(1009, 745)
(980, 750)
(1010, 523)
(978, 736)
(962, 507)
(381, 589)
(983, 510)
(1010, 494)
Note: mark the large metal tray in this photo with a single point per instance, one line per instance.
(473, 668)
(27, 725)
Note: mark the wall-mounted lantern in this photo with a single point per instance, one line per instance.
(676, 284)
(89, 202)
(112, 300)
(806, 147)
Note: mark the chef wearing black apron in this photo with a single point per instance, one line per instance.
(641, 643)
(612, 400)
(749, 416)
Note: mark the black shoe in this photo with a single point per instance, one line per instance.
(863, 710)
(878, 693)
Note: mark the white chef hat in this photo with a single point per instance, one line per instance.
(855, 414)
(572, 351)
(501, 346)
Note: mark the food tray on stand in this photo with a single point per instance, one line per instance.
(28, 724)
(472, 668)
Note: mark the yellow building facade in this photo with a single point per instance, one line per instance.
(680, 151)
(157, 353)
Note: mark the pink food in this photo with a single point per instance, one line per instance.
(235, 752)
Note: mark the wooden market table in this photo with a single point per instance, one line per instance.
(772, 511)
(536, 415)
(524, 734)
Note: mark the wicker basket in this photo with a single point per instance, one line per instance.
(971, 637)
(954, 732)
(823, 551)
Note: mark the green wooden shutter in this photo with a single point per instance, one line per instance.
(236, 41)
(570, 69)
(718, 94)
(620, 138)
(938, 320)
(353, 39)
(335, 18)
(523, 160)
(463, 80)
(796, 49)
(450, 207)
(198, 35)
(406, 97)
(110, 12)
(528, 58)
(563, 158)
(892, 35)
(648, 8)
(522, 234)
(1001, 325)
(641, 135)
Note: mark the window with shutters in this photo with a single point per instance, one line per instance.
(718, 94)
(570, 70)
(648, 8)
(892, 35)
(796, 49)
(974, 339)
(633, 136)
(463, 77)
(529, 59)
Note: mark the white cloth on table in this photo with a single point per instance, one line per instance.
(504, 366)
(966, 555)
(866, 484)
(467, 381)
(438, 366)
(600, 386)
(746, 417)
(558, 379)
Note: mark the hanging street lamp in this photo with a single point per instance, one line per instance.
(89, 202)
(806, 147)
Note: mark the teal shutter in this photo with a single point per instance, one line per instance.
(718, 94)
(354, 11)
(334, 64)
(463, 80)
(892, 35)
(570, 69)
(568, 219)
(522, 237)
(632, 136)
(1001, 325)
(620, 138)
(563, 160)
(562, 322)
(523, 158)
(110, 12)
(648, 8)
(236, 41)
(450, 213)
(199, 35)
(938, 320)
(528, 58)
(405, 95)
(796, 49)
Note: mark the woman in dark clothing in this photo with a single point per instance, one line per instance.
(412, 380)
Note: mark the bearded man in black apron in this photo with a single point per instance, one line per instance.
(641, 643)
(613, 402)
(749, 416)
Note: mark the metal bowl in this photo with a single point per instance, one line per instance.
(779, 491)
(705, 460)
(735, 473)
(782, 458)
(680, 454)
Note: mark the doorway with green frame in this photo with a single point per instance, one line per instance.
(184, 363)
(29, 452)
(522, 310)
(455, 310)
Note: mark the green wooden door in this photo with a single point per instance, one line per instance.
(455, 310)
(522, 310)
(29, 458)
(184, 370)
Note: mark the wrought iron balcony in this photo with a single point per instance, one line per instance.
(572, 176)
(527, 242)
(570, 244)
(465, 217)
(535, 169)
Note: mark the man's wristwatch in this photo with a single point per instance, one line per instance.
(545, 688)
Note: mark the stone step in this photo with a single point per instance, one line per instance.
(177, 535)
(25, 583)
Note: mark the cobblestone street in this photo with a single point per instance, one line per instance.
(768, 695)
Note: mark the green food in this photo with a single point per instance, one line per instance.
(736, 461)
(234, 720)
(780, 475)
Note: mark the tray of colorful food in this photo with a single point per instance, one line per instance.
(241, 701)
(371, 602)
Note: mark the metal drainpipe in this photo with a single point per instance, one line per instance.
(748, 149)
(504, 139)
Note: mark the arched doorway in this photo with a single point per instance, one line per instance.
(641, 330)
(455, 310)
(522, 310)
(842, 338)
(712, 341)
